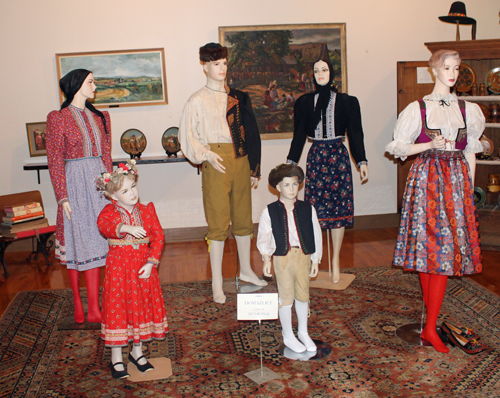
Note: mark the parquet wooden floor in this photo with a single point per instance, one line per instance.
(189, 261)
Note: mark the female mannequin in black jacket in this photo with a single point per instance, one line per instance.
(326, 117)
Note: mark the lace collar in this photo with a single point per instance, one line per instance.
(439, 97)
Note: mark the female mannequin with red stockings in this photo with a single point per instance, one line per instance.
(438, 235)
(78, 151)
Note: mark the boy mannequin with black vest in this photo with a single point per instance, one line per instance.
(290, 231)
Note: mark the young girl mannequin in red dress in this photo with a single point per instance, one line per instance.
(133, 309)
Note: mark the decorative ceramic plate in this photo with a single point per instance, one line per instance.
(170, 141)
(466, 78)
(133, 142)
(488, 146)
(479, 197)
(493, 80)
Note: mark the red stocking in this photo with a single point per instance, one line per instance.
(435, 294)
(92, 281)
(424, 283)
(74, 279)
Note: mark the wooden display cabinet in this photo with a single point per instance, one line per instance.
(482, 56)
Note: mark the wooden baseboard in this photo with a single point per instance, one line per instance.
(198, 233)
(360, 222)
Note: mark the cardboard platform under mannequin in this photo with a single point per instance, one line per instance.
(162, 370)
(324, 281)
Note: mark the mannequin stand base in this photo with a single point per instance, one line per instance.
(411, 334)
(323, 350)
(244, 287)
(162, 370)
(324, 281)
(69, 323)
(261, 375)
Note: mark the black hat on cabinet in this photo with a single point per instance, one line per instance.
(458, 14)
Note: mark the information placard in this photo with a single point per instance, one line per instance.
(255, 306)
(424, 75)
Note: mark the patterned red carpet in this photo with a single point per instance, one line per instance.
(210, 350)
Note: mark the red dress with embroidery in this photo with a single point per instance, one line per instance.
(133, 309)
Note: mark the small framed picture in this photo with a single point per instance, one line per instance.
(37, 138)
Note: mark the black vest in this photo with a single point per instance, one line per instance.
(302, 214)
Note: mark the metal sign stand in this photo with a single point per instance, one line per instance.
(262, 375)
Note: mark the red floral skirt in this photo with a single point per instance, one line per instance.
(439, 228)
(133, 309)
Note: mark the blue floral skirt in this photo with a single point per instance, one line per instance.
(329, 183)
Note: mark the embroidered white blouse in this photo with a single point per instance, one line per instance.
(203, 122)
(265, 238)
(447, 118)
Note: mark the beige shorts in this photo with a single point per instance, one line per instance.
(292, 274)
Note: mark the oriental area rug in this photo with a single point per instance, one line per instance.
(210, 350)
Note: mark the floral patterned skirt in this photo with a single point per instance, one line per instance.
(439, 228)
(133, 309)
(329, 183)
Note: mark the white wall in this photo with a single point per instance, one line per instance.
(379, 33)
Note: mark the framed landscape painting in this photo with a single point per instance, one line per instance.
(123, 78)
(274, 64)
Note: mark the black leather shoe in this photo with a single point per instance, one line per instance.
(142, 368)
(118, 374)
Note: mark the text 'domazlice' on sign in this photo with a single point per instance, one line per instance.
(255, 306)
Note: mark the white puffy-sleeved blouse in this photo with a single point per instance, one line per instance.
(447, 118)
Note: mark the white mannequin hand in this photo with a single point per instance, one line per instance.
(314, 269)
(215, 160)
(67, 210)
(145, 271)
(254, 182)
(267, 266)
(438, 142)
(138, 232)
(364, 172)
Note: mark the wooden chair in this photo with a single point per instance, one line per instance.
(42, 235)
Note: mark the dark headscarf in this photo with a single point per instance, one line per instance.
(324, 96)
(70, 84)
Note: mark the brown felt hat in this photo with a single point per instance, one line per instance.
(212, 52)
(285, 170)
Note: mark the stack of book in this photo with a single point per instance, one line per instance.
(21, 218)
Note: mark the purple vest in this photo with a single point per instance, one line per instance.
(426, 134)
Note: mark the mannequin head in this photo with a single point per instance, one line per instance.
(445, 66)
(214, 59)
(323, 73)
(72, 82)
(120, 185)
(80, 83)
(437, 59)
(87, 90)
(285, 170)
(216, 70)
